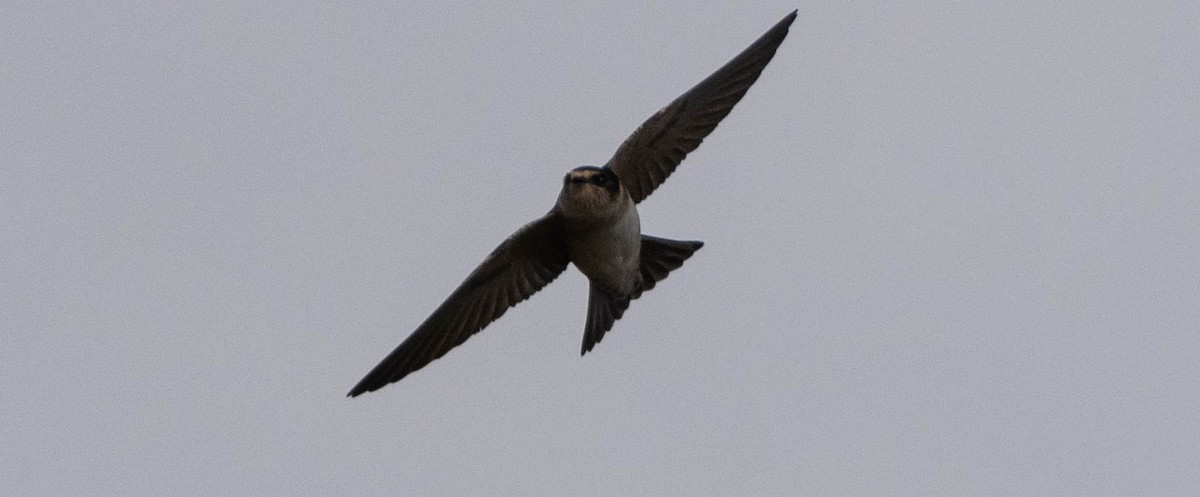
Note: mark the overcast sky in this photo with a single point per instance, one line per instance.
(951, 249)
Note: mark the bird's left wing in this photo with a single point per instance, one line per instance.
(651, 153)
(527, 261)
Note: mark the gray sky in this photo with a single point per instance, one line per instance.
(951, 250)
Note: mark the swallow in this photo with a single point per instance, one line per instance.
(594, 225)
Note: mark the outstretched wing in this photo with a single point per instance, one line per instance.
(527, 261)
(653, 151)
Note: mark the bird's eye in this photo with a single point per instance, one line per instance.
(599, 179)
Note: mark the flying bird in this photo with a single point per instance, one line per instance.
(594, 224)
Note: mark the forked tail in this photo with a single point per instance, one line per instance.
(660, 256)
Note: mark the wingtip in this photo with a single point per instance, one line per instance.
(361, 388)
(787, 20)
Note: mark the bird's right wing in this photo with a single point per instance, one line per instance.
(527, 261)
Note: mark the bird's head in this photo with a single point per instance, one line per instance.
(590, 191)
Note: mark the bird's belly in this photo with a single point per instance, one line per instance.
(610, 255)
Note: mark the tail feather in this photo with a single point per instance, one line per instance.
(604, 309)
(659, 257)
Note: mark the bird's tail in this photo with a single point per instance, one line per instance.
(660, 256)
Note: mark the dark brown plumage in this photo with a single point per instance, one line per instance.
(651, 153)
(526, 262)
(599, 232)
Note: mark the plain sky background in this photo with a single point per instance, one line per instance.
(953, 248)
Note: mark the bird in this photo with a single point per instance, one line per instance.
(593, 224)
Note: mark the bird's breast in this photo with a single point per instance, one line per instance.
(609, 253)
